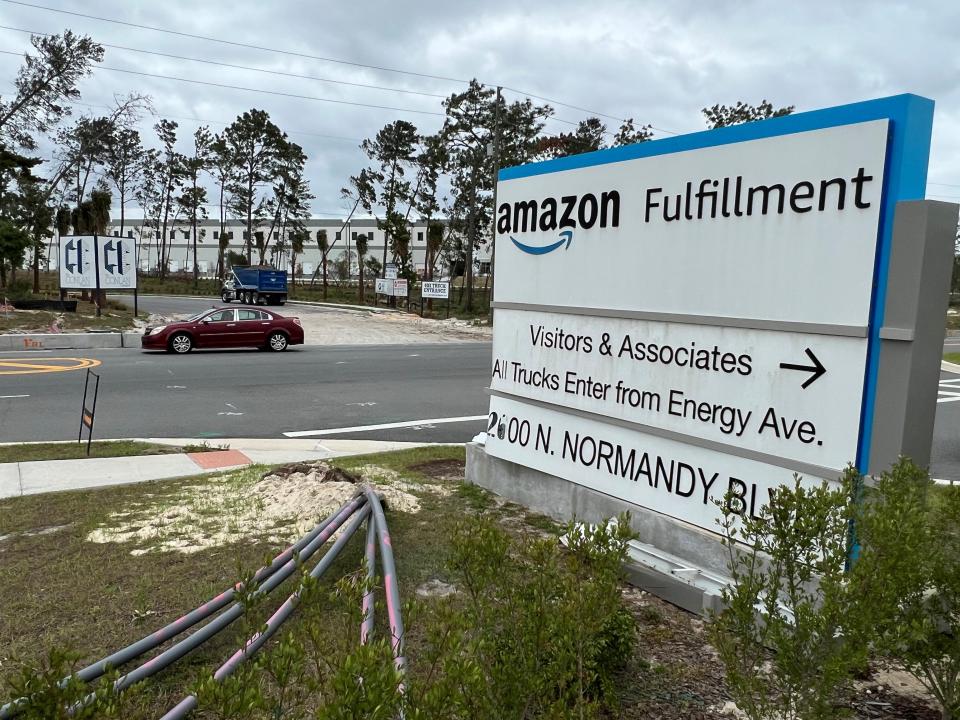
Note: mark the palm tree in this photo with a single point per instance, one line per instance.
(361, 247)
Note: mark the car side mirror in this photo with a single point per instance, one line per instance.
(205, 320)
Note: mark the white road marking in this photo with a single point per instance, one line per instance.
(7, 397)
(947, 399)
(385, 426)
(414, 355)
(231, 406)
(229, 413)
(176, 387)
(340, 362)
(363, 404)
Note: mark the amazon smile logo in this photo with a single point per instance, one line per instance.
(564, 214)
(566, 236)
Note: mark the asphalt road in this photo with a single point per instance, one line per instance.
(247, 393)
(945, 454)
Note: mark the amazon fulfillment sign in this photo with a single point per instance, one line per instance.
(711, 313)
(94, 262)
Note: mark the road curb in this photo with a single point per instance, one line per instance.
(950, 367)
(69, 341)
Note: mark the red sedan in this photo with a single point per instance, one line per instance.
(225, 328)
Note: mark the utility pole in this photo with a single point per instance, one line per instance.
(496, 172)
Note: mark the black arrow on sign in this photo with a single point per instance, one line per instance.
(817, 369)
(107, 265)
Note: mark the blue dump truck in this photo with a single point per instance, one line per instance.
(255, 285)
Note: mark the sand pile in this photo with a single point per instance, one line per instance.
(277, 507)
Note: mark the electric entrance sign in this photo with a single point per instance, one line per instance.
(76, 260)
(91, 262)
(707, 314)
(116, 263)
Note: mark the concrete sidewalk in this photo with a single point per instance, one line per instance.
(69, 341)
(31, 478)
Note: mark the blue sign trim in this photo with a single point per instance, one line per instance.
(905, 178)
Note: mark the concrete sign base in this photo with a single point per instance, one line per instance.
(673, 560)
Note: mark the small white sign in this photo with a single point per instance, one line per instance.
(117, 266)
(384, 286)
(439, 290)
(390, 273)
(399, 288)
(76, 261)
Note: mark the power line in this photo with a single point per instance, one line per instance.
(244, 67)
(256, 90)
(586, 110)
(291, 53)
(234, 42)
(224, 122)
(281, 94)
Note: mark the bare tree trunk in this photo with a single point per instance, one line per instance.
(325, 275)
(471, 239)
(36, 265)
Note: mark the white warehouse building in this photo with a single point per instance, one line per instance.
(342, 238)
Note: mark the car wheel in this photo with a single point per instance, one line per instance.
(248, 298)
(277, 342)
(225, 296)
(181, 343)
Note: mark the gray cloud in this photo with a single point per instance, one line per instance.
(657, 62)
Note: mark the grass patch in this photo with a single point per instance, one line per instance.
(115, 316)
(952, 357)
(108, 448)
(62, 591)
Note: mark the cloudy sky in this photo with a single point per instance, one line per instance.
(658, 62)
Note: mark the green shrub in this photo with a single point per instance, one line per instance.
(784, 635)
(537, 631)
(19, 289)
(908, 575)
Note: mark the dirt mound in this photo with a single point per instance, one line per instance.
(278, 506)
(330, 474)
(442, 469)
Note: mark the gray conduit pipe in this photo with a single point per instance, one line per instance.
(177, 651)
(391, 588)
(181, 624)
(189, 703)
(366, 627)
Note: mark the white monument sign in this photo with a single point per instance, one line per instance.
(384, 286)
(679, 319)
